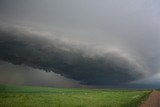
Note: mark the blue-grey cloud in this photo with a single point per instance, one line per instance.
(124, 33)
(83, 64)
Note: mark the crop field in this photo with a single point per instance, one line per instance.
(26, 96)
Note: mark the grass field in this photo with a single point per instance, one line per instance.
(18, 96)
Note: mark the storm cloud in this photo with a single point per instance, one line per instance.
(67, 58)
(94, 42)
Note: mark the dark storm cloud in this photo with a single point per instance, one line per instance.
(66, 57)
(102, 35)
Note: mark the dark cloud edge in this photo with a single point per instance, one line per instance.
(21, 46)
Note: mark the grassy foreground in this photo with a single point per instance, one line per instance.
(18, 96)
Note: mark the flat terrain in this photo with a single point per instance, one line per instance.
(14, 96)
(153, 100)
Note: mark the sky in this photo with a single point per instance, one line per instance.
(72, 43)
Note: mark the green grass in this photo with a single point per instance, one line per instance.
(16, 96)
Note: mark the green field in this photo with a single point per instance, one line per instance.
(18, 96)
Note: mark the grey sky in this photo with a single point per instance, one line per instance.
(131, 28)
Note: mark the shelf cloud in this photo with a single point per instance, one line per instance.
(70, 59)
(101, 43)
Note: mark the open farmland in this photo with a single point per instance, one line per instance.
(18, 96)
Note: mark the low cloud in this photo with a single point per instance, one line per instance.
(72, 59)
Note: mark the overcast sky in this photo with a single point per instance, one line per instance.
(129, 30)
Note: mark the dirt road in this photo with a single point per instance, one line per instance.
(153, 100)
